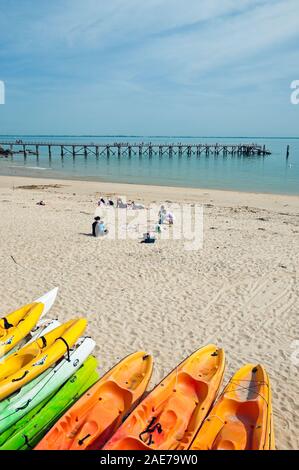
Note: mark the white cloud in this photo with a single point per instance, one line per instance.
(166, 57)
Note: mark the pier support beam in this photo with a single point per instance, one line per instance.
(143, 148)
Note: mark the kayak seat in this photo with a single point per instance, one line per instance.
(239, 425)
(194, 386)
(82, 424)
(121, 397)
(15, 366)
(166, 424)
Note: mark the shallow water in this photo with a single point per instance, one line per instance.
(270, 174)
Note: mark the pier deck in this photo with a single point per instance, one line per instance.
(128, 149)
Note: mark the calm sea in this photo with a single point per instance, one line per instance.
(270, 174)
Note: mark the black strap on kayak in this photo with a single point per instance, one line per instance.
(7, 325)
(23, 407)
(44, 342)
(27, 443)
(22, 377)
(151, 428)
(81, 441)
(67, 347)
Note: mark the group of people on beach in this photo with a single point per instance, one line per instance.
(119, 204)
(99, 228)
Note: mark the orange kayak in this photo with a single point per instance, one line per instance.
(98, 413)
(242, 417)
(170, 416)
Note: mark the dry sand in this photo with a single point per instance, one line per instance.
(240, 291)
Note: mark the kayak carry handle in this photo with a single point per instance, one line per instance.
(22, 377)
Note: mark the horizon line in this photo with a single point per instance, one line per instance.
(153, 136)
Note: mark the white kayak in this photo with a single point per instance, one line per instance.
(17, 405)
(48, 301)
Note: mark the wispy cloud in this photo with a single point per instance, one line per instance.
(124, 52)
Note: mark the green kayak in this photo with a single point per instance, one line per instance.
(4, 436)
(28, 432)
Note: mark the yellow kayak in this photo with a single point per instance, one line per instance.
(17, 325)
(31, 360)
(242, 417)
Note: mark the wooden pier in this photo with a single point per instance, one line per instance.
(120, 149)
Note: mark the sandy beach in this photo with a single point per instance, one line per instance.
(240, 291)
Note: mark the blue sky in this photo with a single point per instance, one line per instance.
(154, 67)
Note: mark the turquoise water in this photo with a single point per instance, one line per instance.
(270, 174)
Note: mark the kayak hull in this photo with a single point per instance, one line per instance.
(18, 324)
(169, 417)
(28, 436)
(16, 406)
(94, 418)
(33, 359)
(241, 419)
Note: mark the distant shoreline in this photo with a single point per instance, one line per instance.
(149, 192)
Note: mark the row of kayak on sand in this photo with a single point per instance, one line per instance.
(53, 399)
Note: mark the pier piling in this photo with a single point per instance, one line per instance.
(138, 148)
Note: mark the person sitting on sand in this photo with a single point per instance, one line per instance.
(95, 227)
(120, 204)
(148, 238)
(162, 215)
(102, 229)
(102, 202)
(41, 203)
(135, 207)
(169, 217)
